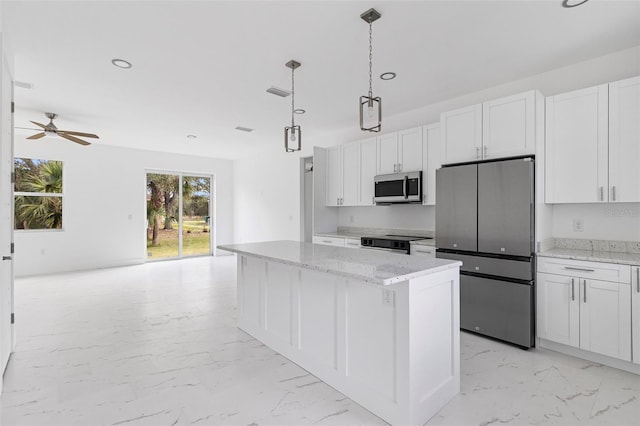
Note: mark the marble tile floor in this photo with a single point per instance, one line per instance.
(157, 344)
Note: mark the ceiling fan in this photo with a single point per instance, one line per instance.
(50, 129)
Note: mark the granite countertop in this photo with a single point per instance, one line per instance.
(593, 255)
(376, 267)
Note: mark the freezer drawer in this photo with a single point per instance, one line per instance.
(498, 309)
(506, 207)
(501, 267)
(457, 207)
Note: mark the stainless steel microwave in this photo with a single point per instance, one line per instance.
(398, 188)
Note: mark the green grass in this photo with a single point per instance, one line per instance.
(194, 241)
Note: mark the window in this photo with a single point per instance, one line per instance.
(38, 194)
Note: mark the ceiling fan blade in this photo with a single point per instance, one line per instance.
(84, 135)
(39, 124)
(73, 139)
(37, 136)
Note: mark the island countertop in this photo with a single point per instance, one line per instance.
(372, 266)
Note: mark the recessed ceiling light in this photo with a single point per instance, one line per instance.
(244, 129)
(191, 136)
(121, 63)
(387, 75)
(299, 111)
(573, 3)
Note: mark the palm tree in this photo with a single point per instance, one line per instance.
(37, 212)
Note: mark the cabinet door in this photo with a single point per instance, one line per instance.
(388, 153)
(576, 146)
(635, 313)
(558, 316)
(624, 140)
(431, 161)
(334, 175)
(461, 134)
(605, 318)
(508, 126)
(368, 157)
(350, 174)
(410, 150)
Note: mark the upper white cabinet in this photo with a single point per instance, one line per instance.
(431, 161)
(624, 140)
(351, 174)
(461, 134)
(635, 313)
(400, 152)
(504, 127)
(593, 144)
(368, 156)
(576, 146)
(334, 176)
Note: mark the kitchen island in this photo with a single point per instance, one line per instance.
(381, 328)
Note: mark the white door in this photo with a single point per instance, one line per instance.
(350, 173)
(6, 217)
(431, 161)
(334, 175)
(635, 313)
(576, 146)
(508, 126)
(368, 155)
(558, 317)
(605, 318)
(388, 153)
(624, 140)
(461, 134)
(410, 150)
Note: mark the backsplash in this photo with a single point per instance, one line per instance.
(598, 245)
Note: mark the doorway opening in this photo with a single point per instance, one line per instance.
(179, 215)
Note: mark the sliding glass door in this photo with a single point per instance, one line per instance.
(178, 215)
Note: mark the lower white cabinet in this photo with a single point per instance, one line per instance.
(578, 308)
(420, 250)
(329, 241)
(352, 243)
(635, 313)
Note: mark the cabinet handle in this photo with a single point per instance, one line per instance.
(613, 193)
(575, 268)
(484, 148)
(584, 283)
(601, 193)
(573, 289)
(326, 241)
(477, 152)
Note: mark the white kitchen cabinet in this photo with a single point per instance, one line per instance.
(420, 250)
(400, 152)
(508, 125)
(431, 161)
(461, 134)
(350, 174)
(329, 241)
(334, 176)
(352, 243)
(585, 305)
(624, 141)
(635, 313)
(576, 146)
(368, 156)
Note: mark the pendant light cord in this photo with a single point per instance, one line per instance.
(370, 58)
(293, 96)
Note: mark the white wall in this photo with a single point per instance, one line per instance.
(104, 210)
(399, 216)
(619, 222)
(276, 173)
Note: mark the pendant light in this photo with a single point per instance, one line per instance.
(293, 133)
(370, 107)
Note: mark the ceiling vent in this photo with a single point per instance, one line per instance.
(278, 91)
(244, 129)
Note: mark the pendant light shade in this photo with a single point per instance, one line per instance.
(293, 133)
(370, 106)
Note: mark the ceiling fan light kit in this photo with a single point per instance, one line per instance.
(370, 107)
(293, 133)
(51, 130)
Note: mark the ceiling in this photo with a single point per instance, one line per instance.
(202, 67)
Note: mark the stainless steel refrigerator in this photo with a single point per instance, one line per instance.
(485, 218)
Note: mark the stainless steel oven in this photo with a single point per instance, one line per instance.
(398, 188)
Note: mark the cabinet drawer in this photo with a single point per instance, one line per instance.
(352, 243)
(420, 250)
(580, 268)
(329, 241)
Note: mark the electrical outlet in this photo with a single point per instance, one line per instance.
(387, 297)
(578, 225)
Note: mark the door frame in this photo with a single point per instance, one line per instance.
(212, 216)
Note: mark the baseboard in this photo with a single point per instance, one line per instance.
(590, 356)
